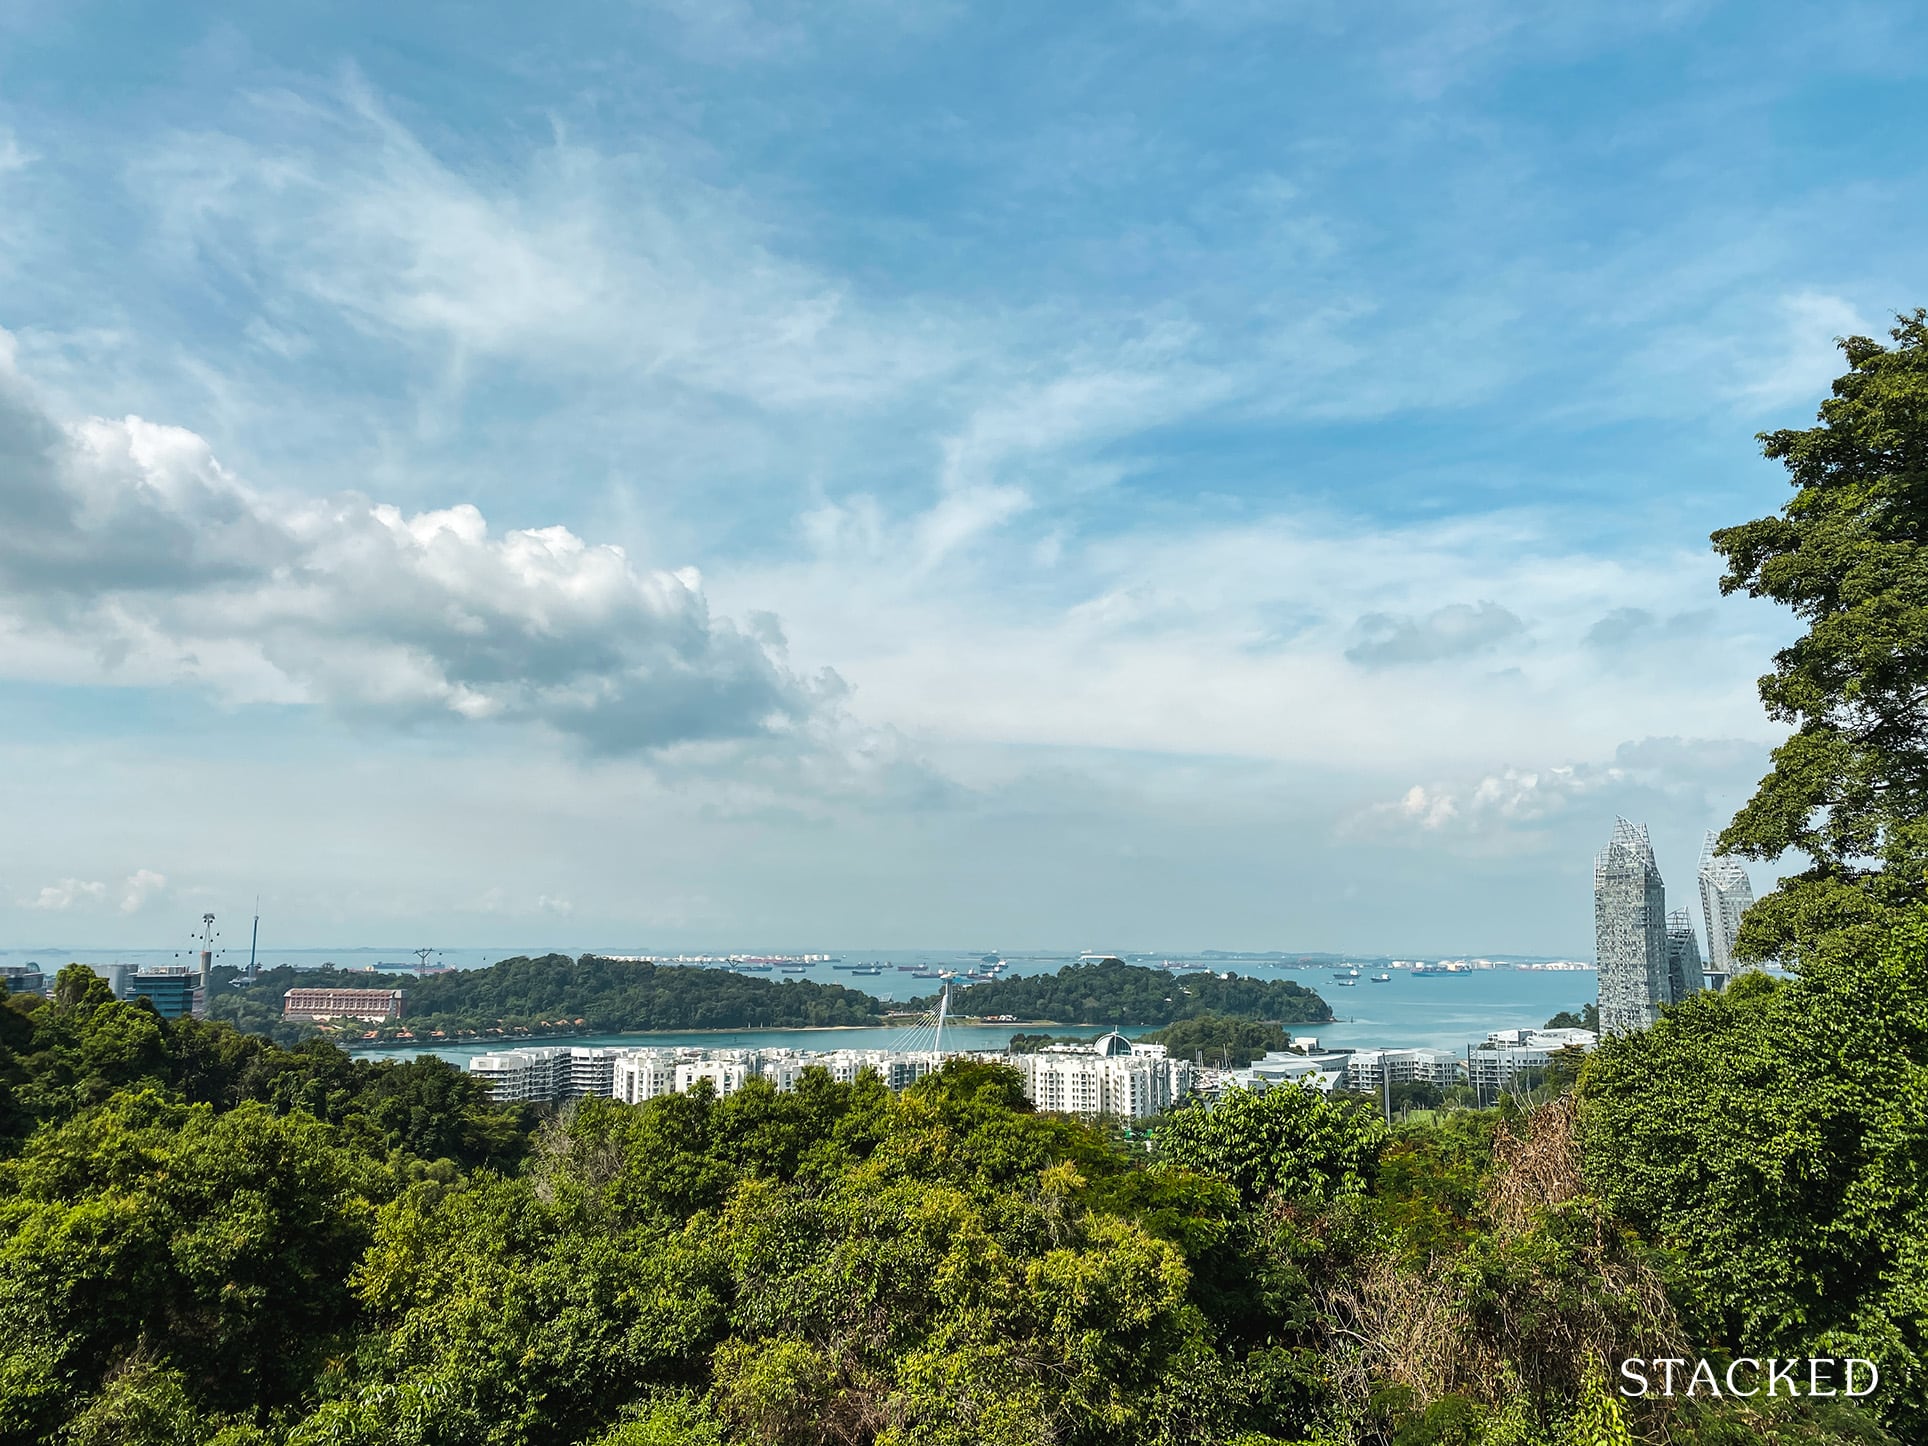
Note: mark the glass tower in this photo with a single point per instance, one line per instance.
(1725, 894)
(1630, 931)
(1684, 975)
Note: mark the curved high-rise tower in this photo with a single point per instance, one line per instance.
(1725, 894)
(1630, 931)
(1684, 973)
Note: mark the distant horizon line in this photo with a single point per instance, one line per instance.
(713, 952)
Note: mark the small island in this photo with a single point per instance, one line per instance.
(1110, 991)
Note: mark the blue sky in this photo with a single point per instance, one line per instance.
(697, 474)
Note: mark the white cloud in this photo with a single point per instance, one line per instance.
(1680, 774)
(1454, 631)
(142, 886)
(128, 553)
(1798, 363)
(1233, 639)
(62, 896)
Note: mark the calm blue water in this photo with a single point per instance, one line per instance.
(1439, 1012)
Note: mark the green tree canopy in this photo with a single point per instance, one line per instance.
(1849, 554)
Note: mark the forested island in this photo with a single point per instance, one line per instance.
(555, 995)
(1110, 991)
(1217, 1039)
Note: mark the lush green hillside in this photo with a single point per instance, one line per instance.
(555, 994)
(1109, 991)
(208, 1238)
(1230, 1043)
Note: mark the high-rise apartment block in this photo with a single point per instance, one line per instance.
(1725, 894)
(1630, 931)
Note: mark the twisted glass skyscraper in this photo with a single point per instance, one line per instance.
(1630, 931)
(1725, 894)
(1684, 973)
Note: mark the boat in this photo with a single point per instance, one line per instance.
(1346, 983)
(1382, 979)
(908, 968)
(795, 968)
(925, 974)
(1346, 976)
(868, 969)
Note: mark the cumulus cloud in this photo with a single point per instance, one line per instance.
(1682, 771)
(141, 886)
(129, 553)
(62, 896)
(1454, 631)
(1506, 796)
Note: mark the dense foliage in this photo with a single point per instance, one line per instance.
(1588, 1017)
(1110, 991)
(207, 1237)
(1220, 1039)
(1774, 1139)
(1849, 555)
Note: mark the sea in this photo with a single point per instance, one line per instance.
(1439, 1011)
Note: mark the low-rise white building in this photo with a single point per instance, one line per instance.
(557, 1073)
(1318, 1069)
(1507, 1053)
(1370, 1070)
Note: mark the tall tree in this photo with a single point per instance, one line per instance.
(1849, 554)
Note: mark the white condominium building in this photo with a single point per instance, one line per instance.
(1132, 1083)
(522, 1076)
(1370, 1070)
(1507, 1053)
(634, 1075)
(643, 1074)
(1133, 1087)
(546, 1073)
